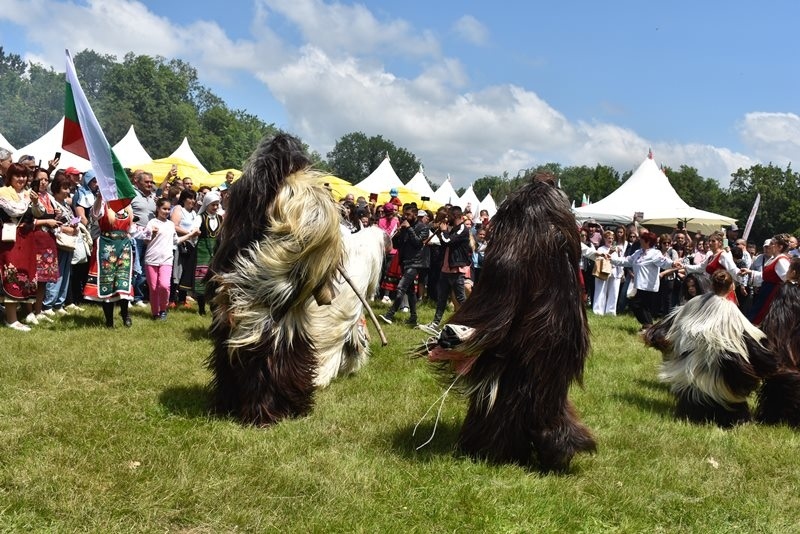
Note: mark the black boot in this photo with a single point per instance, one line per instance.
(108, 311)
(201, 304)
(126, 318)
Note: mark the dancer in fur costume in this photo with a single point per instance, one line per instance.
(278, 253)
(779, 396)
(713, 356)
(515, 346)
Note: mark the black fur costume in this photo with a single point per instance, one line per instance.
(524, 337)
(278, 251)
(779, 396)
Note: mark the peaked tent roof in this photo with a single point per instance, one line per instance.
(185, 153)
(489, 204)
(5, 144)
(446, 194)
(469, 197)
(382, 179)
(130, 151)
(419, 184)
(648, 191)
(46, 147)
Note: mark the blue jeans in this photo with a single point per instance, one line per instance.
(406, 287)
(55, 293)
(139, 278)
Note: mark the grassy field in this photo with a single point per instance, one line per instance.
(110, 434)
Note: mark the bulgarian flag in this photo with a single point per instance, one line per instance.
(83, 137)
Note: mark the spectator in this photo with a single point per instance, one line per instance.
(185, 220)
(606, 291)
(5, 161)
(144, 209)
(210, 226)
(454, 239)
(17, 248)
(389, 224)
(45, 225)
(56, 293)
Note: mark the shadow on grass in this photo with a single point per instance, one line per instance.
(187, 401)
(443, 443)
(651, 384)
(197, 333)
(659, 407)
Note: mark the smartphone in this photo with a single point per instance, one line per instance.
(373, 197)
(725, 243)
(58, 156)
(35, 185)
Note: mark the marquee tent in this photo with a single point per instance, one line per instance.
(5, 144)
(445, 194)
(469, 199)
(648, 191)
(407, 196)
(46, 146)
(489, 204)
(185, 153)
(130, 151)
(216, 178)
(340, 187)
(382, 179)
(419, 184)
(161, 167)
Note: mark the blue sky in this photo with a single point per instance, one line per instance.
(472, 88)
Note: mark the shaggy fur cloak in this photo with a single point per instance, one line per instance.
(779, 396)
(713, 359)
(278, 253)
(522, 337)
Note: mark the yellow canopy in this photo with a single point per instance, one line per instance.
(407, 196)
(340, 188)
(161, 167)
(217, 177)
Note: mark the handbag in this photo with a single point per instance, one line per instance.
(9, 234)
(66, 242)
(602, 268)
(83, 246)
(631, 289)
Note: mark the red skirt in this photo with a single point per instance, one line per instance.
(18, 267)
(46, 256)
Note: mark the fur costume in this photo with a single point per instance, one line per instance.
(713, 359)
(779, 396)
(339, 330)
(278, 252)
(519, 341)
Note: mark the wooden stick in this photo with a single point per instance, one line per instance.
(371, 314)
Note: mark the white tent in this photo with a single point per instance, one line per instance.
(446, 194)
(382, 179)
(419, 184)
(185, 152)
(489, 204)
(46, 146)
(648, 191)
(130, 151)
(470, 199)
(5, 144)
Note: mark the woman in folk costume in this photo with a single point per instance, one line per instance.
(210, 227)
(770, 278)
(713, 356)
(18, 246)
(717, 258)
(515, 346)
(110, 267)
(278, 251)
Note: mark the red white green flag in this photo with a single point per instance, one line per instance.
(84, 137)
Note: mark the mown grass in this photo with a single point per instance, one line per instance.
(111, 433)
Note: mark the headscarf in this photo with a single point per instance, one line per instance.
(208, 199)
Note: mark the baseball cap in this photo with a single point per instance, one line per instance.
(72, 170)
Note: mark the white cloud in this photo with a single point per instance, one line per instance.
(471, 30)
(772, 137)
(335, 82)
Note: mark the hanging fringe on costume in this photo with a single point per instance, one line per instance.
(713, 358)
(519, 341)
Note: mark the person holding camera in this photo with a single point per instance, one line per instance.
(410, 244)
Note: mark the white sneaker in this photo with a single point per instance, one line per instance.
(31, 319)
(19, 326)
(74, 307)
(386, 300)
(430, 328)
(49, 313)
(404, 309)
(62, 311)
(42, 318)
(140, 304)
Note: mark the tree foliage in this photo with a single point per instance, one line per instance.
(780, 199)
(355, 156)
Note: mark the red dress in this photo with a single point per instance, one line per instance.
(771, 284)
(110, 267)
(713, 266)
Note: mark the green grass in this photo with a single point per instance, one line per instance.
(111, 433)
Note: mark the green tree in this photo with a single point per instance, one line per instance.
(355, 156)
(779, 210)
